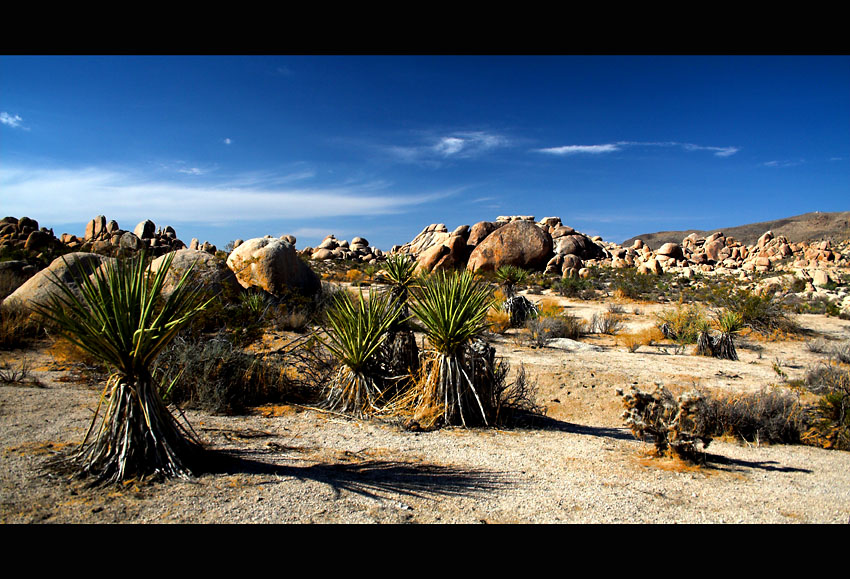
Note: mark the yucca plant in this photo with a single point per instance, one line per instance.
(399, 354)
(400, 270)
(705, 343)
(509, 276)
(729, 323)
(120, 318)
(456, 379)
(358, 328)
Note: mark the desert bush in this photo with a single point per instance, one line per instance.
(606, 323)
(770, 415)
(829, 417)
(762, 312)
(681, 324)
(516, 402)
(676, 425)
(20, 375)
(216, 375)
(573, 287)
(543, 328)
(630, 285)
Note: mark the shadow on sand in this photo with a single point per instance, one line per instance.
(368, 477)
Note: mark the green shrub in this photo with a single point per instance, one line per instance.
(762, 312)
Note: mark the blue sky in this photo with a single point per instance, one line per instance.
(226, 147)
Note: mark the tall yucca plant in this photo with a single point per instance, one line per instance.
(358, 328)
(120, 318)
(453, 308)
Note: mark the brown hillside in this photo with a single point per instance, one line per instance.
(809, 226)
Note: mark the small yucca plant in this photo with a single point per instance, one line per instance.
(729, 323)
(509, 276)
(120, 318)
(400, 270)
(705, 343)
(455, 381)
(358, 328)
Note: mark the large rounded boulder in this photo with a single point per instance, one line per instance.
(67, 268)
(272, 265)
(209, 271)
(519, 243)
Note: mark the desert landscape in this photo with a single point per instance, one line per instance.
(281, 445)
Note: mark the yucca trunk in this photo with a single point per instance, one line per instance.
(725, 348)
(705, 345)
(353, 392)
(137, 436)
(456, 388)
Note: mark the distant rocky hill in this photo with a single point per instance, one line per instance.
(806, 227)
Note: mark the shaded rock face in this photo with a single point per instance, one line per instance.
(272, 265)
(40, 287)
(480, 231)
(449, 255)
(519, 243)
(209, 272)
(580, 245)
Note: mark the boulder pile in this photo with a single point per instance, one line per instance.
(550, 246)
(23, 236)
(107, 238)
(357, 250)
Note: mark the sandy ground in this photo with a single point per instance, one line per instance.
(578, 465)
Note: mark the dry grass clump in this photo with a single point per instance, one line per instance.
(18, 327)
(646, 337)
(498, 320)
(770, 415)
(681, 324)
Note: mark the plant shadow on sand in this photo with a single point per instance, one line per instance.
(370, 478)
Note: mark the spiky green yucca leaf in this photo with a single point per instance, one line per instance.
(453, 307)
(359, 327)
(118, 317)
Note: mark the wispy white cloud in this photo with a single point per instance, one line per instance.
(227, 141)
(191, 171)
(581, 149)
(13, 121)
(77, 195)
(620, 145)
(784, 163)
(455, 145)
